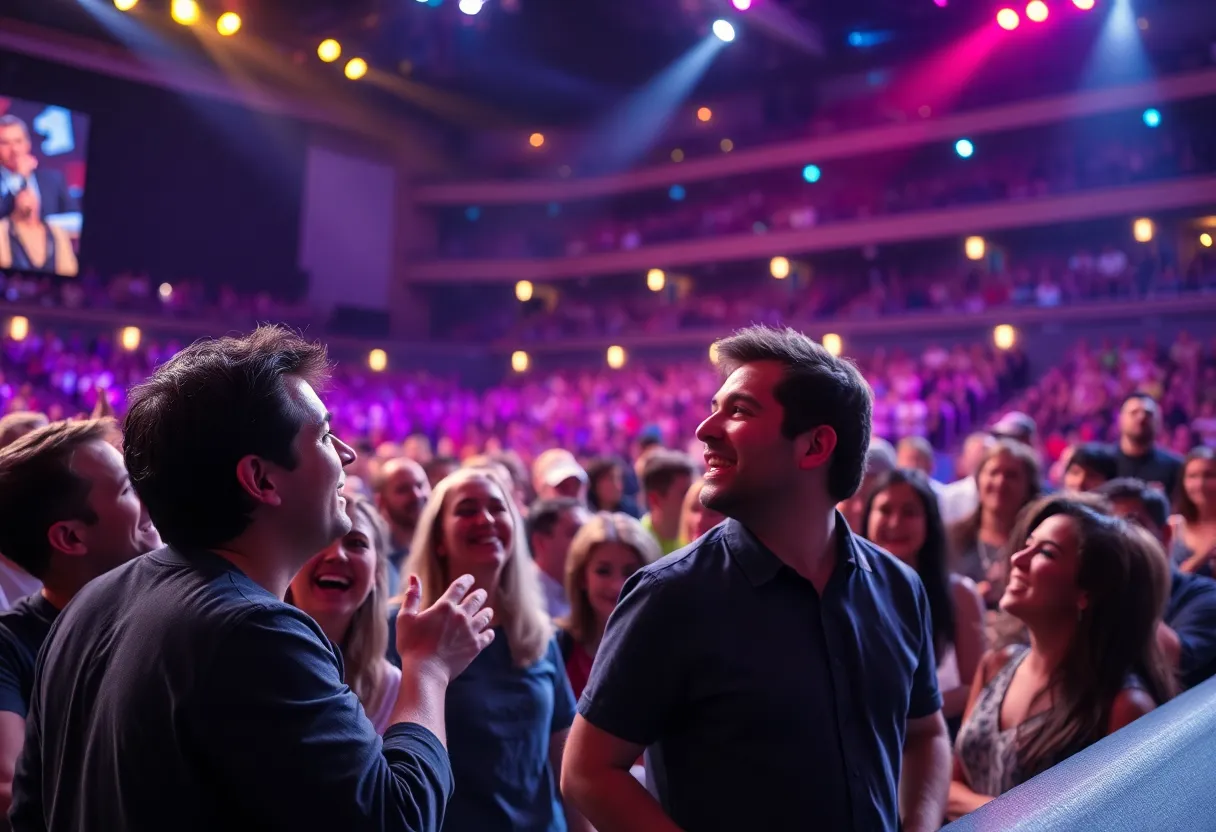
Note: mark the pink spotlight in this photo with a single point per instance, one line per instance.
(741, 5)
(1036, 10)
(1008, 19)
(941, 4)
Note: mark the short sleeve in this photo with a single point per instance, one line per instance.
(563, 695)
(275, 711)
(16, 674)
(926, 699)
(637, 678)
(1194, 622)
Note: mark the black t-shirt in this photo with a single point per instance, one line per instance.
(22, 631)
(176, 693)
(1157, 466)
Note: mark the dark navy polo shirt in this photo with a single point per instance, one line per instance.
(763, 704)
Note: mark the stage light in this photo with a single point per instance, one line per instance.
(724, 31)
(727, 145)
(130, 338)
(1008, 19)
(470, 6)
(228, 24)
(19, 327)
(616, 357)
(964, 148)
(941, 4)
(656, 280)
(741, 5)
(537, 139)
(974, 248)
(472, 213)
(125, 5)
(811, 174)
(1205, 240)
(1004, 336)
(356, 68)
(377, 360)
(833, 344)
(704, 114)
(329, 50)
(1142, 230)
(1152, 117)
(676, 192)
(519, 361)
(165, 291)
(184, 12)
(1083, 5)
(779, 267)
(523, 291)
(1036, 10)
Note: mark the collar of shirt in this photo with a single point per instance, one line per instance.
(759, 563)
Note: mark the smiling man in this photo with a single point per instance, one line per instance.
(179, 691)
(778, 671)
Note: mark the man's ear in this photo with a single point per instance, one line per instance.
(815, 447)
(67, 538)
(257, 477)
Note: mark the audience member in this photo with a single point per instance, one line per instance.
(666, 478)
(902, 517)
(1137, 453)
(439, 467)
(556, 473)
(961, 498)
(1089, 466)
(607, 550)
(509, 713)
(1187, 633)
(402, 489)
(344, 588)
(606, 487)
(880, 459)
(731, 659)
(1016, 426)
(224, 704)
(1090, 591)
(1193, 528)
(696, 518)
(551, 526)
(916, 454)
(67, 514)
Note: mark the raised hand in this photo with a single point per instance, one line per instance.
(449, 634)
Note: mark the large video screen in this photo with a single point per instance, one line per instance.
(43, 152)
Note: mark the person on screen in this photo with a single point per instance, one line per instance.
(28, 243)
(19, 172)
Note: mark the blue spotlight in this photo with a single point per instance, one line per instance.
(1152, 117)
(724, 30)
(472, 213)
(676, 193)
(811, 173)
(964, 148)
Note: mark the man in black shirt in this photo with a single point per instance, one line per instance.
(68, 513)
(179, 691)
(1137, 453)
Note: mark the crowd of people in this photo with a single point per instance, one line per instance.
(468, 642)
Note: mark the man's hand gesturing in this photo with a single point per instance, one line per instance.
(448, 635)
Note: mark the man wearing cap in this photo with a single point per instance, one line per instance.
(556, 473)
(1017, 426)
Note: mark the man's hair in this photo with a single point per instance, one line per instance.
(38, 489)
(544, 514)
(212, 404)
(919, 444)
(17, 424)
(663, 468)
(435, 463)
(10, 120)
(1096, 457)
(1156, 506)
(1137, 396)
(818, 389)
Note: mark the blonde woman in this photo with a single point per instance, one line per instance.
(508, 714)
(696, 519)
(344, 589)
(605, 552)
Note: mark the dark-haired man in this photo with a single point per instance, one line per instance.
(1090, 465)
(552, 525)
(779, 671)
(1137, 454)
(402, 489)
(67, 514)
(1187, 633)
(666, 478)
(179, 691)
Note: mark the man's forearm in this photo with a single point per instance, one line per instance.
(925, 782)
(421, 700)
(614, 801)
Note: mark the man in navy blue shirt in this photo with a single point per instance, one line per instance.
(779, 671)
(178, 691)
(68, 513)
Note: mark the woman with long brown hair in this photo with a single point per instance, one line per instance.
(1090, 590)
(1194, 525)
(1007, 479)
(344, 588)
